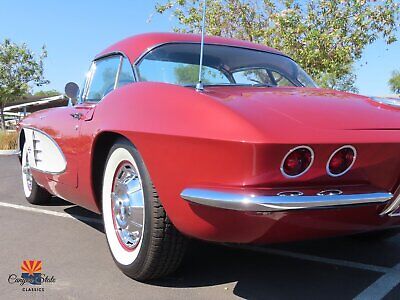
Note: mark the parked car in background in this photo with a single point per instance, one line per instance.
(259, 155)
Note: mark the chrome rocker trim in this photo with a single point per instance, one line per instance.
(261, 203)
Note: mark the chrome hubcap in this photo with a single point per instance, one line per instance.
(127, 202)
(26, 170)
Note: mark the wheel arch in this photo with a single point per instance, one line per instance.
(100, 150)
(21, 143)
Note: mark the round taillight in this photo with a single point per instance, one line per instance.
(297, 161)
(341, 161)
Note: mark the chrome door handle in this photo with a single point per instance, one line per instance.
(77, 115)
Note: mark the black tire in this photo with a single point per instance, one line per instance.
(34, 194)
(39, 195)
(162, 247)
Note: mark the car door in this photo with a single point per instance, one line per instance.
(106, 74)
(66, 124)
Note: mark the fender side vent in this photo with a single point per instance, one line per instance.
(36, 151)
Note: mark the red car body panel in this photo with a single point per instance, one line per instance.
(234, 138)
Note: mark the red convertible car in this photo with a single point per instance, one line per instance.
(258, 155)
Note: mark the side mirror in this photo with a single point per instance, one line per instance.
(72, 92)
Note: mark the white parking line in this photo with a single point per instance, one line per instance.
(382, 286)
(52, 213)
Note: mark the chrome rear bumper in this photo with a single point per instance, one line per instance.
(273, 203)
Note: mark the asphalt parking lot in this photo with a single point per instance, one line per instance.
(71, 244)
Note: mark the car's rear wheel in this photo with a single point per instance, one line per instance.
(33, 192)
(142, 240)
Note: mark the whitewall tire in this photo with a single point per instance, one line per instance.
(33, 192)
(119, 247)
(26, 173)
(142, 240)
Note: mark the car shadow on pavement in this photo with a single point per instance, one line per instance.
(55, 201)
(262, 275)
(86, 216)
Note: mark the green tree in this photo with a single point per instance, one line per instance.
(325, 37)
(394, 82)
(19, 68)
(345, 82)
(48, 93)
(187, 74)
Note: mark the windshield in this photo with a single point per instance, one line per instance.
(178, 63)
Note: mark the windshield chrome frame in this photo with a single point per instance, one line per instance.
(88, 80)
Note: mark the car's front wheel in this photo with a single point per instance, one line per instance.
(33, 192)
(142, 240)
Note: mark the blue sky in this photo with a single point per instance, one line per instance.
(75, 31)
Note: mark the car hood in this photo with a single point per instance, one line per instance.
(311, 107)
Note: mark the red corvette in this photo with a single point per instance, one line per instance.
(258, 155)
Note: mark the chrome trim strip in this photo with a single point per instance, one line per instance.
(290, 193)
(124, 56)
(291, 151)
(121, 59)
(260, 203)
(329, 192)
(348, 169)
(88, 81)
(392, 207)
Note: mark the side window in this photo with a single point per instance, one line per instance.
(178, 73)
(281, 80)
(305, 79)
(82, 90)
(104, 72)
(125, 74)
(252, 76)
